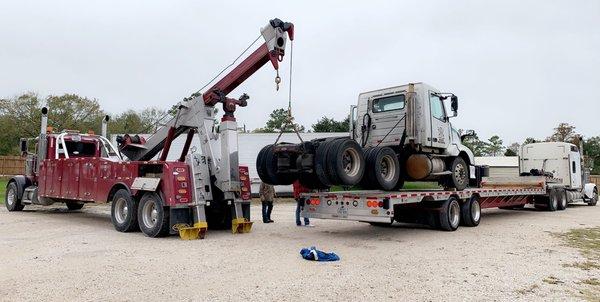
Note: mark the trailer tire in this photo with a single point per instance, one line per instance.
(382, 168)
(594, 200)
(459, 179)
(470, 212)
(153, 216)
(123, 211)
(552, 200)
(562, 199)
(449, 215)
(11, 198)
(74, 205)
(345, 162)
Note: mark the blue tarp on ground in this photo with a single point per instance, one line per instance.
(313, 254)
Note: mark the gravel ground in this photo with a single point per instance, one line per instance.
(51, 254)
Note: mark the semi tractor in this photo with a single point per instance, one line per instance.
(147, 192)
(396, 134)
(551, 177)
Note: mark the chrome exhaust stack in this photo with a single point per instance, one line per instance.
(42, 141)
(105, 125)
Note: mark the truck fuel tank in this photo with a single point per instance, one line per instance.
(421, 166)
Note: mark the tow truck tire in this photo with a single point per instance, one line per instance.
(74, 205)
(382, 168)
(449, 215)
(562, 199)
(153, 216)
(594, 200)
(470, 212)
(123, 212)
(11, 198)
(459, 179)
(345, 162)
(552, 200)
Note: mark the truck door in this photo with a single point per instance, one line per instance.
(440, 127)
(388, 114)
(575, 169)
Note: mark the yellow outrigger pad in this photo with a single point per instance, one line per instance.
(198, 231)
(241, 225)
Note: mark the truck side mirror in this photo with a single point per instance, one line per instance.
(468, 133)
(23, 145)
(454, 104)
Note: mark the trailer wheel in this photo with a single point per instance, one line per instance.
(594, 200)
(459, 178)
(562, 199)
(345, 162)
(449, 215)
(74, 205)
(552, 200)
(471, 212)
(13, 203)
(382, 168)
(153, 216)
(123, 211)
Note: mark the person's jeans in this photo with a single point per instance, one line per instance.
(267, 208)
(298, 210)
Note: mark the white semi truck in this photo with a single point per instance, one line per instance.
(396, 134)
(551, 176)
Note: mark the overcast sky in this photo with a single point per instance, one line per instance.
(518, 67)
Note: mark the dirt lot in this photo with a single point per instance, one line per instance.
(50, 254)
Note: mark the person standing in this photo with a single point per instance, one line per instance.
(267, 195)
(298, 189)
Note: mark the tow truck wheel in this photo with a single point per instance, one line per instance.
(553, 200)
(74, 205)
(471, 212)
(594, 200)
(449, 215)
(12, 200)
(153, 217)
(562, 199)
(123, 212)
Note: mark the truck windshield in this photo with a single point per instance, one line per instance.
(388, 103)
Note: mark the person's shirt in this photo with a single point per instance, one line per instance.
(266, 192)
(299, 189)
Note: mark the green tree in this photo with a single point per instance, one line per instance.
(530, 140)
(563, 133)
(326, 124)
(277, 119)
(512, 149)
(70, 111)
(591, 150)
(474, 144)
(494, 146)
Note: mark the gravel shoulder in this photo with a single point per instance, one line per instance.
(53, 255)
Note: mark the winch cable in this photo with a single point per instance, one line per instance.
(289, 119)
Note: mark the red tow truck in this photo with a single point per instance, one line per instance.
(159, 197)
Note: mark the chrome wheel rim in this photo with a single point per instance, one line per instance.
(475, 210)
(121, 210)
(149, 215)
(11, 197)
(454, 214)
(388, 168)
(350, 162)
(459, 173)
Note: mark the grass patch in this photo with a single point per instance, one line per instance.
(552, 280)
(3, 183)
(529, 290)
(587, 242)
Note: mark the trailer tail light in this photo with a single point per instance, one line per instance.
(374, 204)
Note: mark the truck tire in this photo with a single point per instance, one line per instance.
(74, 205)
(311, 181)
(552, 200)
(459, 179)
(123, 211)
(449, 215)
(153, 216)
(11, 198)
(321, 163)
(345, 162)
(470, 212)
(366, 182)
(382, 168)
(594, 200)
(266, 166)
(561, 195)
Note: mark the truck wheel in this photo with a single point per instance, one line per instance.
(153, 217)
(345, 162)
(383, 168)
(311, 181)
(470, 212)
(12, 199)
(74, 205)
(449, 214)
(552, 200)
(123, 211)
(321, 162)
(459, 178)
(594, 200)
(562, 199)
